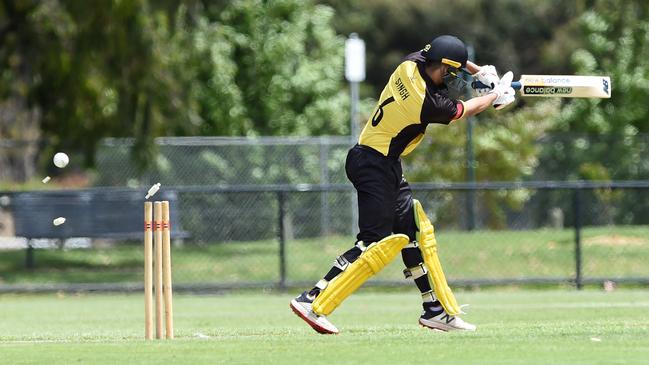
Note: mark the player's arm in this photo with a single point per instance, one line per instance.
(483, 101)
(500, 96)
(478, 104)
(439, 108)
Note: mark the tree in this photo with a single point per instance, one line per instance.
(19, 115)
(261, 68)
(515, 35)
(77, 72)
(89, 69)
(505, 150)
(604, 140)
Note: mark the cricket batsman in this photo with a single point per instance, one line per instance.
(423, 89)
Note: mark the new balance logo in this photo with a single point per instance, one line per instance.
(448, 319)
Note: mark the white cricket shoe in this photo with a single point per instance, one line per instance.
(302, 307)
(444, 322)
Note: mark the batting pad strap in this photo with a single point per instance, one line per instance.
(428, 247)
(415, 272)
(374, 259)
(428, 296)
(322, 284)
(412, 244)
(341, 263)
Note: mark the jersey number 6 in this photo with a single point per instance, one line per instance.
(378, 115)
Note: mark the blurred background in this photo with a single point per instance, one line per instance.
(240, 109)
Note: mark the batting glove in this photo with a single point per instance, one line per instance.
(488, 76)
(504, 91)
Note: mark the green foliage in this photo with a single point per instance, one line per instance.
(139, 68)
(516, 35)
(511, 34)
(505, 150)
(74, 72)
(89, 68)
(260, 68)
(605, 141)
(602, 139)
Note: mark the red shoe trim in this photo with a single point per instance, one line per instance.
(313, 325)
(432, 328)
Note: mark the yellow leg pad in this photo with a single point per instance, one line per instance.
(428, 247)
(371, 261)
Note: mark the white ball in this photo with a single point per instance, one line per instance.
(61, 160)
(58, 221)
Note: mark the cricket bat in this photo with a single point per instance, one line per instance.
(562, 86)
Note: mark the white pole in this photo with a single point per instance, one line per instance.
(354, 73)
(354, 111)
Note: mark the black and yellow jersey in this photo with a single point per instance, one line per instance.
(409, 102)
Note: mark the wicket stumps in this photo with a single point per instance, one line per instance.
(157, 242)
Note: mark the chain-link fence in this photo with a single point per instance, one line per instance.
(277, 236)
(210, 161)
(268, 214)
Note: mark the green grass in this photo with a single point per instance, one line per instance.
(615, 251)
(514, 327)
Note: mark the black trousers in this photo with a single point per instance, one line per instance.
(384, 197)
(384, 206)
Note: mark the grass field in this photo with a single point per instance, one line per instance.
(514, 327)
(614, 251)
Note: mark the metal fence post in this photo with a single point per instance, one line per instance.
(281, 199)
(29, 255)
(470, 158)
(470, 176)
(324, 180)
(577, 219)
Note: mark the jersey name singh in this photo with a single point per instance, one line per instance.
(401, 88)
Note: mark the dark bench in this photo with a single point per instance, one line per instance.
(91, 213)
